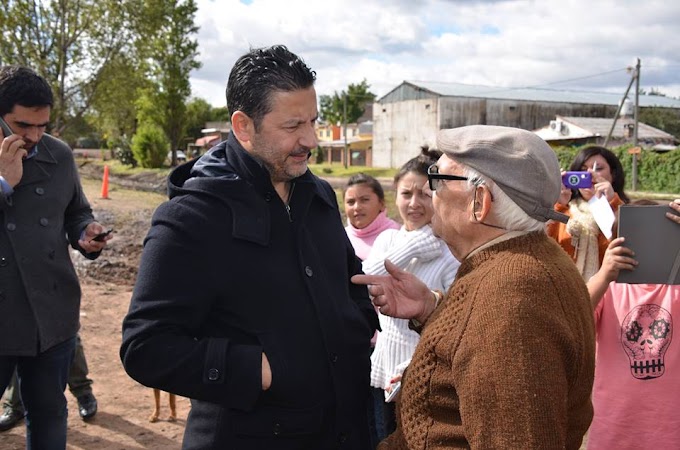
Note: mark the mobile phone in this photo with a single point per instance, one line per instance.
(6, 130)
(389, 397)
(577, 180)
(100, 237)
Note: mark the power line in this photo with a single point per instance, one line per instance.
(576, 79)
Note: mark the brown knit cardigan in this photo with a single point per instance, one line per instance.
(507, 360)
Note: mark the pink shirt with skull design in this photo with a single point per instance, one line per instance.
(636, 394)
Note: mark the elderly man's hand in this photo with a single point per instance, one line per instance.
(675, 204)
(399, 294)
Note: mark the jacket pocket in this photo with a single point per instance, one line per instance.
(276, 421)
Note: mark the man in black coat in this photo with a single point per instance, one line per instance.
(243, 300)
(42, 210)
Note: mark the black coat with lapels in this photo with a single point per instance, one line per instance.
(228, 272)
(39, 289)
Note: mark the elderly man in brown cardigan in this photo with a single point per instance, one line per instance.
(506, 358)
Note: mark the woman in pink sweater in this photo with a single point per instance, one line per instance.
(364, 201)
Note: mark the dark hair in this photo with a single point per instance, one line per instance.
(615, 167)
(362, 178)
(419, 164)
(261, 72)
(22, 86)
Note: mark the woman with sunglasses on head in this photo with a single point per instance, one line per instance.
(581, 237)
(416, 249)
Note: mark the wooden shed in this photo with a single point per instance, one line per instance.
(411, 114)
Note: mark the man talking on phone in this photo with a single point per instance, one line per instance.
(42, 210)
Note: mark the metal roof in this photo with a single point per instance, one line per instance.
(584, 127)
(446, 89)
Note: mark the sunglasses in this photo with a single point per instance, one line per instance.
(434, 178)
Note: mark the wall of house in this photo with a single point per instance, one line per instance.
(401, 128)
(533, 115)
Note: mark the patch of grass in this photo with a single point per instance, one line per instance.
(116, 167)
(338, 170)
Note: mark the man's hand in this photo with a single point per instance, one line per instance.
(399, 294)
(675, 204)
(86, 242)
(12, 154)
(266, 373)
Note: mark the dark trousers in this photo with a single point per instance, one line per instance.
(42, 381)
(78, 382)
(386, 413)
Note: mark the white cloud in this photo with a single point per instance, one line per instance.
(504, 43)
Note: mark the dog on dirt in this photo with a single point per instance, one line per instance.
(157, 406)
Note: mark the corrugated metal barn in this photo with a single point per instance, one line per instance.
(411, 114)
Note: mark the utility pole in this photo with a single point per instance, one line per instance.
(634, 79)
(345, 156)
(618, 111)
(635, 119)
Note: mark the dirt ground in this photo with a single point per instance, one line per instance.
(124, 405)
(122, 421)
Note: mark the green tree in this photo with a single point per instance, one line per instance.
(170, 50)
(220, 114)
(114, 107)
(150, 145)
(355, 98)
(198, 113)
(69, 43)
(664, 119)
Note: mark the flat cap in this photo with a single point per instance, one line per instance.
(522, 164)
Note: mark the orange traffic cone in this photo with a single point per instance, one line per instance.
(105, 183)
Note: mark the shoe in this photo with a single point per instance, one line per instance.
(10, 418)
(87, 406)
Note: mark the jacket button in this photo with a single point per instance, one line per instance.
(342, 438)
(11, 226)
(44, 222)
(268, 197)
(50, 254)
(309, 271)
(334, 358)
(277, 429)
(3, 261)
(39, 191)
(213, 374)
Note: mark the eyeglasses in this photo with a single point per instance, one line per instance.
(434, 178)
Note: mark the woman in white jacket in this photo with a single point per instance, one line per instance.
(413, 248)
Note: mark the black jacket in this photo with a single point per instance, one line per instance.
(226, 274)
(39, 289)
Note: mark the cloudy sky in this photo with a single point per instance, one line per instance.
(565, 44)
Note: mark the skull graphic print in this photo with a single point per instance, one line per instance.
(646, 333)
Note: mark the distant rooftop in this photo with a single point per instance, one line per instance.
(569, 128)
(534, 94)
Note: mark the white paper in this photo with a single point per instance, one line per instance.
(603, 214)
